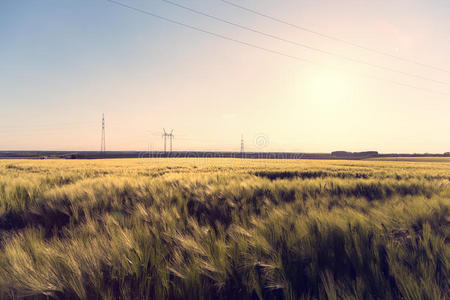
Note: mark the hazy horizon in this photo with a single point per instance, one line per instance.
(64, 63)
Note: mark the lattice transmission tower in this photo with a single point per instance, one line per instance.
(166, 135)
(103, 146)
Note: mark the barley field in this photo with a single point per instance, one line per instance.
(224, 229)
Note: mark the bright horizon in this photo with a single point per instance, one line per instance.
(64, 63)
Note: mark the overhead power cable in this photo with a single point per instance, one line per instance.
(330, 37)
(303, 45)
(263, 48)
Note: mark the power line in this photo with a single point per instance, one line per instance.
(303, 45)
(335, 38)
(266, 49)
(56, 127)
(206, 31)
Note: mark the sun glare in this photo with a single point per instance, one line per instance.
(327, 87)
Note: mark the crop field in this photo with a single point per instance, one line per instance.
(224, 229)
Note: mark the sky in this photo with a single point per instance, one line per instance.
(63, 63)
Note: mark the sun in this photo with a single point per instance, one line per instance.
(327, 97)
(329, 87)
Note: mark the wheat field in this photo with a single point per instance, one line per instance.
(224, 228)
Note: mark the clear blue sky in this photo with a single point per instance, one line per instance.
(64, 63)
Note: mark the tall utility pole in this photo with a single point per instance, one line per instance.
(171, 139)
(103, 146)
(242, 144)
(166, 135)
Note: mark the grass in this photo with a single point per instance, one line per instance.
(224, 228)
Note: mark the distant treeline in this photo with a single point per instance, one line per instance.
(204, 154)
(160, 154)
(346, 154)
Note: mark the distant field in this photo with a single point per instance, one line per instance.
(413, 159)
(185, 228)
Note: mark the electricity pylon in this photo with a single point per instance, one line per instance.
(166, 135)
(103, 146)
(171, 139)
